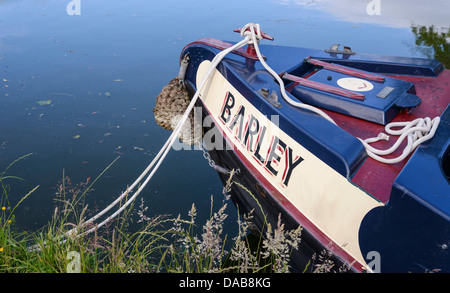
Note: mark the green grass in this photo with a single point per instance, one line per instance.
(149, 245)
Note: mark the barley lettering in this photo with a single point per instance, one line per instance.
(247, 129)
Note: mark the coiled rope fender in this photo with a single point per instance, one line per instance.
(423, 130)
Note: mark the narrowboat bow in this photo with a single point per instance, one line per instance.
(382, 211)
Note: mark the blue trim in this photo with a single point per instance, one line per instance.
(423, 177)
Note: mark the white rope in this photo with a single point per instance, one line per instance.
(416, 131)
(255, 37)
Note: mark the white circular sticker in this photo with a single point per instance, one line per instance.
(355, 84)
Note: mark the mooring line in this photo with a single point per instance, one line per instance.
(156, 162)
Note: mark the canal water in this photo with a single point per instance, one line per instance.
(78, 82)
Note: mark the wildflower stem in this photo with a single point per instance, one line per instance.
(22, 199)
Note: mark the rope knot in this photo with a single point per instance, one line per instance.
(383, 136)
(250, 30)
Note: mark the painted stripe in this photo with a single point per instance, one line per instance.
(323, 87)
(345, 70)
(222, 45)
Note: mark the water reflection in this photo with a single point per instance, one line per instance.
(433, 43)
(395, 14)
(428, 22)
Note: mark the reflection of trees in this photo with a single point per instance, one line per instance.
(428, 38)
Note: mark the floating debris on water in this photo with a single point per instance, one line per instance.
(44, 103)
(64, 94)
